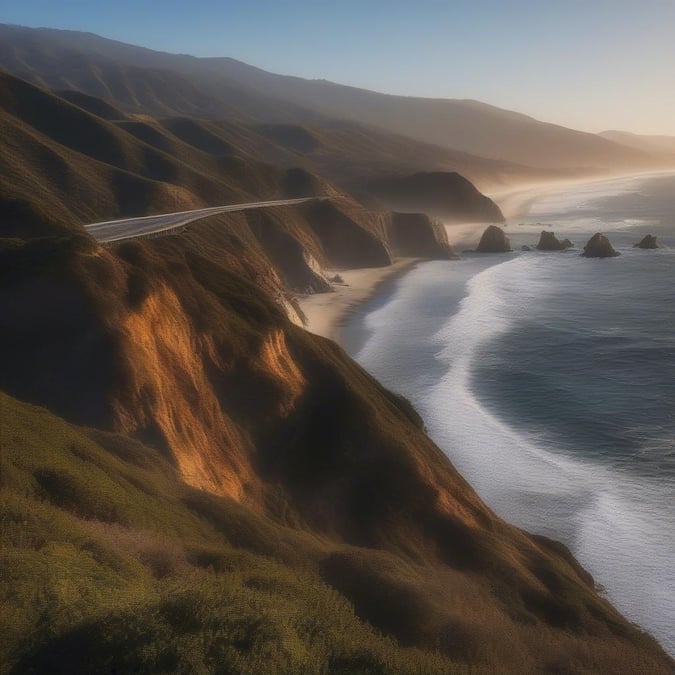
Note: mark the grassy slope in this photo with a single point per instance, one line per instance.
(63, 165)
(346, 150)
(173, 340)
(273, 466)
(105, 566)
(162, 83)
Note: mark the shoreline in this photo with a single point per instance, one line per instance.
(327, 313)
(514, 200)
(403, 367)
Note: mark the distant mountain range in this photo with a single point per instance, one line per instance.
(207, 487)
(642, 142)
(136, 79)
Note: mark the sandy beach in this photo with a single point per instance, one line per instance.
(326, 312)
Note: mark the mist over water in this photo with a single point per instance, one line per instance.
(549, 381)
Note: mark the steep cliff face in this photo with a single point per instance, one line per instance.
(122, 337)
(189, 353)
(416, 235)
(349, 236)
(244, 497)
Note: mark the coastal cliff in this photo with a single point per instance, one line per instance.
(175, 344)
(443, 195)
(416, 235)
(191, 482)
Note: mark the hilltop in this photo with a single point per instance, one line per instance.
(136, 79)
(189, 480)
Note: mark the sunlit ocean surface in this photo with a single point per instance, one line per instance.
(549, 381)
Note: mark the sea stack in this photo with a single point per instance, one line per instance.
(598, 246)
(549, 242)
(494, 241)
(648, 241)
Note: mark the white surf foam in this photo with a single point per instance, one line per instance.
(579, 208)
(614, 525)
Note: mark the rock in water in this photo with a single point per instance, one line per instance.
(494, 241)
(648, 241)
(549, 242)
(598, 246)
(524, 247)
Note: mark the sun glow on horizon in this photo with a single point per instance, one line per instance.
(594, 67)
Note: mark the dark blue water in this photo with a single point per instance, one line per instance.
(590, 362)
(549, 381)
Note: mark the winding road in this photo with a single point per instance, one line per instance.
(129, 228)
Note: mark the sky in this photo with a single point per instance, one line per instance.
(587, 64)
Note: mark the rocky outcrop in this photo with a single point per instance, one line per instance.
(494, 240)
(348, 235)
(549, 242)
(253, 463)
(278, 444)
(599, 246)
(417, 236)
(648, 241)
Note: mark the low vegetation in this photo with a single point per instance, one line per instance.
(291, 517)
(109, 564)
(209, 488)
(105, 568)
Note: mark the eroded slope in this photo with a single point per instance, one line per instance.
(260, 427)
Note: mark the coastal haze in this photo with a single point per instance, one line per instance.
(548, 382)
(302, 376)
(169, 84)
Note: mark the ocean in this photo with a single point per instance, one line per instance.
(548, 379)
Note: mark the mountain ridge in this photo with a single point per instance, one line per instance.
(648, 142)
(192, 482)
(485, 131)
(92, 169)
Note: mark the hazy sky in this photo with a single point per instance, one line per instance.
(589, 64)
